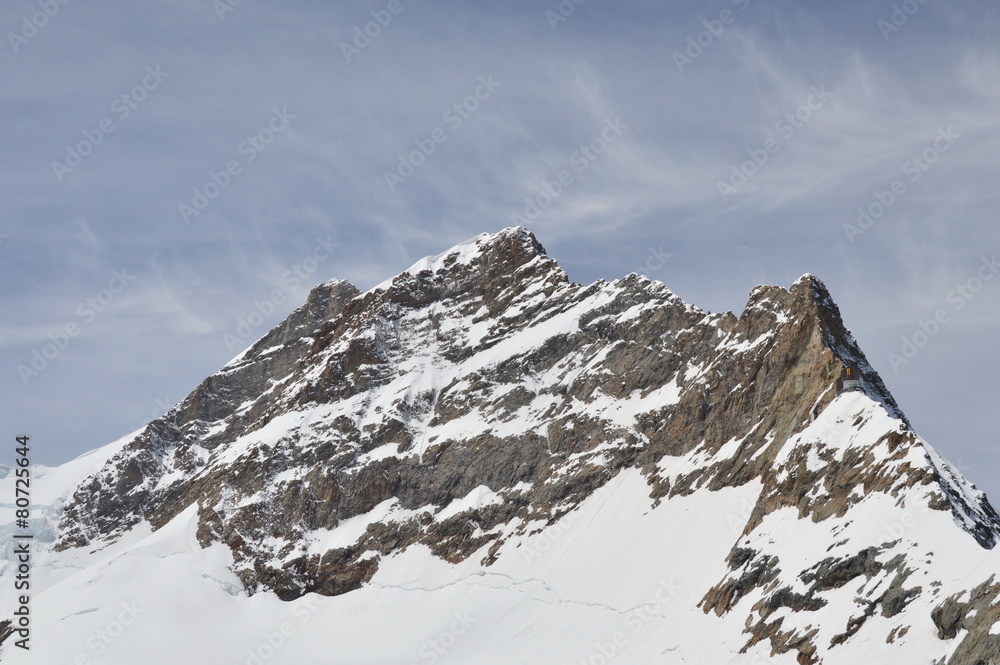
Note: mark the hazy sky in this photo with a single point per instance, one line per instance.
(172, 169)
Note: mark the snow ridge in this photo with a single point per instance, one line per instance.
(479, 434)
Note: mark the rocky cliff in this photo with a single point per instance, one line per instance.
(481, 397)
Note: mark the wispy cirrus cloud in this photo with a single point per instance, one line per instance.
(654, 189)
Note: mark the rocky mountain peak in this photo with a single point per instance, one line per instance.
(480, 396)
(808, 301)
(485, 265)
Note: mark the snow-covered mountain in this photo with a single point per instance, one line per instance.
(479, 461)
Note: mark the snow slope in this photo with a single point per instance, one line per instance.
(480, 462)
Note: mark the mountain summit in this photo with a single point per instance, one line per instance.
(579, 473)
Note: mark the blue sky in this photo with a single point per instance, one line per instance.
(723, 155)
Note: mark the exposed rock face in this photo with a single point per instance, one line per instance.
(975, 611)
(6, 630)
(482, 388)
